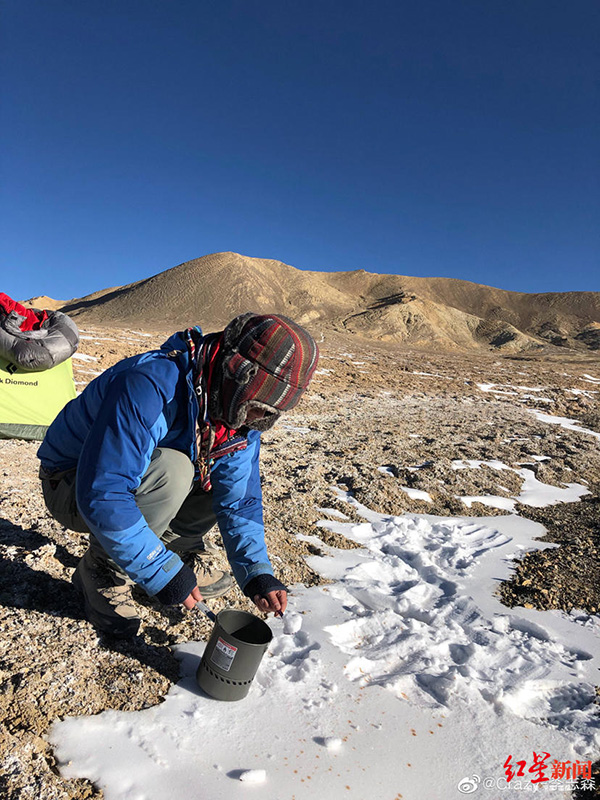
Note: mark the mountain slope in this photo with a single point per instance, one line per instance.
(443, 312)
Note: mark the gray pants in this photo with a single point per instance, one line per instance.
(174, 507)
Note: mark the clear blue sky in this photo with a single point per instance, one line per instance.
(450, 138)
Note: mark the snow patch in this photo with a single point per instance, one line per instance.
(564, 422)
(533, 492)
(490, 500)
(333, 512)
(417, 494)
(405, 668)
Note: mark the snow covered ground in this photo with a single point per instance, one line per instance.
(564, 422)
(402, 678)
(533, 492)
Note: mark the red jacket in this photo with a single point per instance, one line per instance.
(33, 320)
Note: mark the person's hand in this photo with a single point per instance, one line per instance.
(191, 600)
(272, 601)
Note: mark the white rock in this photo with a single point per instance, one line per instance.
(254, 776)
(332, 743)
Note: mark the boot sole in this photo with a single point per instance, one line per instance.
(217, 589)
(122, 630)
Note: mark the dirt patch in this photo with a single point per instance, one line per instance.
(566, 576)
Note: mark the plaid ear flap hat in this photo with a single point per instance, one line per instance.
(266, 362)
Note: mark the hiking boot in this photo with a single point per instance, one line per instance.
(109, 604)
(212, 582)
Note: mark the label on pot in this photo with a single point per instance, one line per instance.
(223, 654)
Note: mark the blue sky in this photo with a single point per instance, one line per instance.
(452, 138)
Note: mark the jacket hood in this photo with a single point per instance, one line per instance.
(177, 341)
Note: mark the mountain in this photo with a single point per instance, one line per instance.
(444, 312)
(43, 302)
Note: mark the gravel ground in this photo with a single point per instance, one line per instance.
(376, 419)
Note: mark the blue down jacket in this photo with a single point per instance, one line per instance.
(110, 432)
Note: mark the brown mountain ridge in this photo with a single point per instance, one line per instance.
(445, 313)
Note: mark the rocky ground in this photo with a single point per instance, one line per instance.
(377, 422)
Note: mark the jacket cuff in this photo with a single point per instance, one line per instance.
(262, 585)
(178, 588)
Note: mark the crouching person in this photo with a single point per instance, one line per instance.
(162, 446)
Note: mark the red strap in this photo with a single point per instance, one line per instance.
(222, 432)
